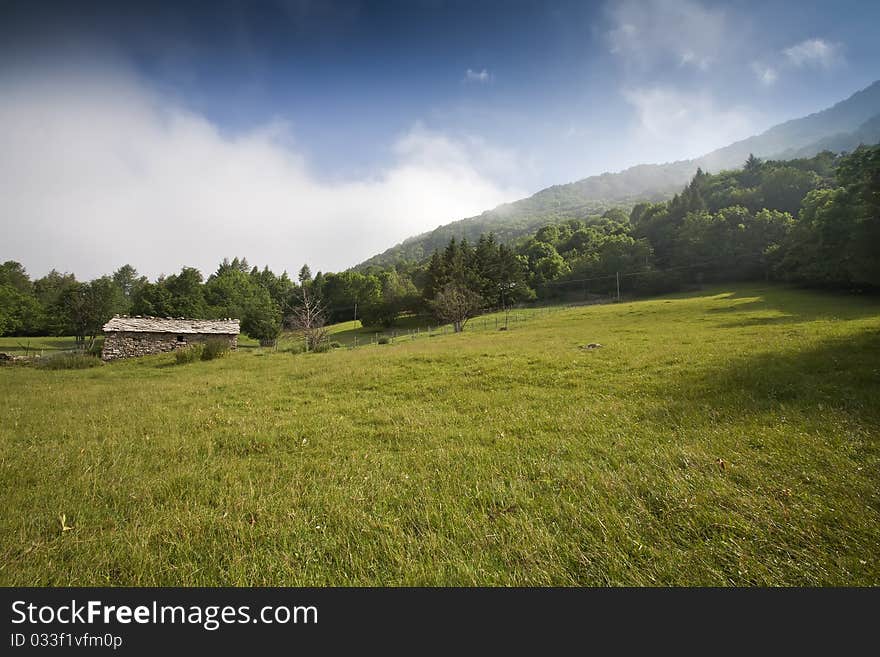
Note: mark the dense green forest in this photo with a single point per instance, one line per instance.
(812, 221)
(842, 127)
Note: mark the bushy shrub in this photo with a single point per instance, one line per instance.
(335, 345)
(384, 340)
(321, 347)
(69, 361)
(296, 347)
(189, 354)
(215, 348)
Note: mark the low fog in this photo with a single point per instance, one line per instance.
(97, 169)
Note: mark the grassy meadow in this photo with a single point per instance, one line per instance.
(727, 437)
(30, 346)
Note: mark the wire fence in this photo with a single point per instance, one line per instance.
(564, 295)
(427, 327)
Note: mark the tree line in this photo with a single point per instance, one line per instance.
(812, 221)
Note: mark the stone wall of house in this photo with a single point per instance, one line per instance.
(119, 344)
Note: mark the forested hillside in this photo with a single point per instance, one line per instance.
(812, 221)
(842, 127)
(867, 133)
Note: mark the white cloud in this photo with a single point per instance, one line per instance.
(96, 171)
(767, 75)
(433, 150)
(677, 125)
(813, 52)
(481, 76)
(645, 32)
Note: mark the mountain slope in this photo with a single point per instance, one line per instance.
(844, 117)
(867, 133)
(840, 127)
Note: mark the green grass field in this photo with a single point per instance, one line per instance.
(730, 437)
(37, 346)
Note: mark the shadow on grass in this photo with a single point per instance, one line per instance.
(780, 305)
(762, 321)
(841, 374)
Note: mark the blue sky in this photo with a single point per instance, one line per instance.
(270, 129)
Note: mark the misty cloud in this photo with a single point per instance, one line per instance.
(767, 75)
(476, 76)
(97, 169)
(647, 32)
(814, 52)
(686, 123)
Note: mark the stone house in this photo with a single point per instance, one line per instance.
(128, 337)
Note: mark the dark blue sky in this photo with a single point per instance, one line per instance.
(520, 94)
(350, 76)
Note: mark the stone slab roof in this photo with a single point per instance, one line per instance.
(171, 325)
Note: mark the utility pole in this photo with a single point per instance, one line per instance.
(618, 285)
